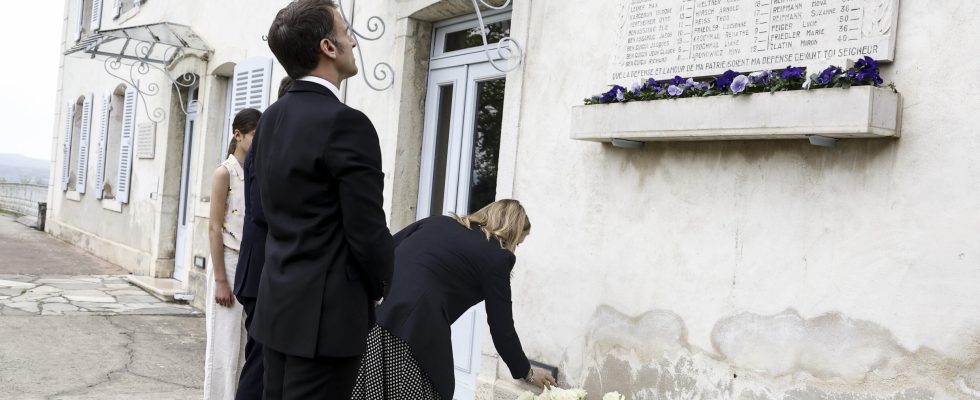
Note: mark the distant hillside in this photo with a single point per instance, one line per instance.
(17, 168)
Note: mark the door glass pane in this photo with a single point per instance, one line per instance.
(443, 123)
(471, 37)
(486, 143)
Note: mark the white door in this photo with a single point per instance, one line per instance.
(184, 217)
(461, 142)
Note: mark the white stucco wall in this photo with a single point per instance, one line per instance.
(805, 271)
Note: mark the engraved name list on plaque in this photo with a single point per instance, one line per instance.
(691, 38)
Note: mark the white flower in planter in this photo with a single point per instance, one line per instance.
(613, 396)
(555, 393)
(526, 396)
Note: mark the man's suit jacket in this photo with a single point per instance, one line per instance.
(329, 252)
(252, 255)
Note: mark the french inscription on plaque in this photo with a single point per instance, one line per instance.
(664, 38)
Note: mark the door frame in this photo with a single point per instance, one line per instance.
(184, 234)
(464, 70)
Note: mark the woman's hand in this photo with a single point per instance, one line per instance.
(222, 294)
(540, 377)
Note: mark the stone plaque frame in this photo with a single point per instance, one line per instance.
(695, 38)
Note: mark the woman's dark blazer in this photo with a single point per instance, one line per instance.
(441, 270)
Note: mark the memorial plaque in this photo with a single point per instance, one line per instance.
(691, 38)
(146, 140)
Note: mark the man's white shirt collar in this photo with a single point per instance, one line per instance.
(325, 83)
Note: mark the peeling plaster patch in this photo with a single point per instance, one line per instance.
(969, 382)
(829, 346)
(648, 357)
(648, 337)
(818, 394)
(652, 335)
(695, 377)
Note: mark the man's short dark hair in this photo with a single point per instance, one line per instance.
(295, 34)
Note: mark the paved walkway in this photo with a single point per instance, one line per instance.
(73, 328)
(80, 295)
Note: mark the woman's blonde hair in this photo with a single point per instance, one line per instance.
(504, 220)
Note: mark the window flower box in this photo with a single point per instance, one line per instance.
(855, 112)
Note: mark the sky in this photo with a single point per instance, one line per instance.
(31, 32)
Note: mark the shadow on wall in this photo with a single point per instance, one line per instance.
(782, 356)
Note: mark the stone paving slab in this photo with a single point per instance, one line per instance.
(80, 295)
(102, 357)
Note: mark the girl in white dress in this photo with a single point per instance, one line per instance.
(225, 332)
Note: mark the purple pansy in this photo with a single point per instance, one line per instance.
(677, 80)
(614, 94)
(792, 72)
(653, 85)
(638, 87)
(761, 77)
(739, 84)
(827, 76)
(866, 69)
(723, 82)
(675, 90)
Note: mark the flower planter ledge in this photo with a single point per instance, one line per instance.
(856, 112)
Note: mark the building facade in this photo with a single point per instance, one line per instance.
(749, 269)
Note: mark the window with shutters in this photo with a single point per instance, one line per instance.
(75, 138)
(122, 7)
(95, 21)
(113, 135)
(83, 13)
(126, 142)
(81, 171)
(66, 141)
(250, 87)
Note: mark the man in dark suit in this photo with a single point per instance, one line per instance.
(328, 252)
(250, 263)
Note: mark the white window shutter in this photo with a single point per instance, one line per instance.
(117, 9)
(66, 147)
(252, 84)
(96, 15)
(79, 18)
(102, 144)
(83, 137)
(126, 146)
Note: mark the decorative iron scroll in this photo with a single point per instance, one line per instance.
(382, 72)
(115, 66)
(503, 47)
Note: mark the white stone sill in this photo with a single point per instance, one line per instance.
(112, 205)
(858, 112)
(73, 195)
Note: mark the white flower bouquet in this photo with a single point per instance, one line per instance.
(555, 393)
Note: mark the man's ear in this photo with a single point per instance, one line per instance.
(328, 48)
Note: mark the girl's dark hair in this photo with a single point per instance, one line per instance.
(245, 121)
(296, 32)
(284, 86)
